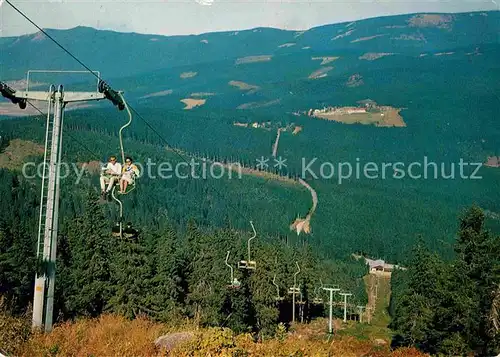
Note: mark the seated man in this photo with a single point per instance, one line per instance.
(110, 174)
(130, 172)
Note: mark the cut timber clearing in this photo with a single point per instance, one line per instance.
(244, 86)
(157, 94)
(320, 73)
(325, 60)
(378, 289)
(237, 167)
(253, 59)
(191, 103)
(255, 105)
(387, 117)
(361, 39)
(7, 109)
(372, 56)
(12, 158)
(202, 94)
(431, 20)
(185, 75)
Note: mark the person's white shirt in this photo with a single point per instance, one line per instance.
(115, 168)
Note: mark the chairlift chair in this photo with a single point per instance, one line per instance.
(301, 300)
(124, 232)
(278, 297)
(118, 99)
(119, 230)
(235, 283)
(129, 231)
(317, 300)
(294, 289)
(116, 231)
(249, 264)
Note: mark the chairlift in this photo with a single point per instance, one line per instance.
(129, 231)
(294, 289)
(118, 99)
(120, 232)
(318, 300)
(235, 283)
(130, 185)
(116, 230)
(301, 300)
(278, 297)
(249, 264)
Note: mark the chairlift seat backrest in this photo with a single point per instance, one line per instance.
(242, 264)
(317, 301)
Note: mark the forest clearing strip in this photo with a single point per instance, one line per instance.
(275, 146)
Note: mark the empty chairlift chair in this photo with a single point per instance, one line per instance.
(249, 264)
(278, 297)
(235, 284)
(317, 300)
(294, 289)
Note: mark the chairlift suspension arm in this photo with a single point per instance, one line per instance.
(295, 275)
(230, 267)
(277, 287)
(254, 235)
(124, 126)
(121, 210)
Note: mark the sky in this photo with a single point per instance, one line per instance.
(181, 17)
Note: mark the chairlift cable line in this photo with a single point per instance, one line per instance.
(131, 108)
(71, 136)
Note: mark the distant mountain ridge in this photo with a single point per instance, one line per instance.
(122, 54)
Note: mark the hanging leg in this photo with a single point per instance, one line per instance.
(112, 181)
(103, 186)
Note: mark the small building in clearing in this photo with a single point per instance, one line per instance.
(380, 265)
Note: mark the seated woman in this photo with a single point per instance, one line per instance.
(129, 173)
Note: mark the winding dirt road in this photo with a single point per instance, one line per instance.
(314, 196)
(276, 142)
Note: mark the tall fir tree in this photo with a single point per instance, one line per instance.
(87, 258)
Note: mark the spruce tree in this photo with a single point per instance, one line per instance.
(131, 278)
(89, 246)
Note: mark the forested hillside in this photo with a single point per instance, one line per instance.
(443, 73)
(166, 273)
